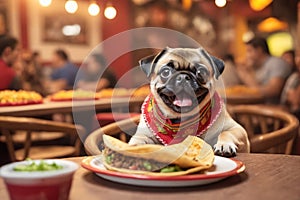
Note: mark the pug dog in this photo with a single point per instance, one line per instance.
(183, 101)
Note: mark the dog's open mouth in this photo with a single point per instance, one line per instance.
(183, 102)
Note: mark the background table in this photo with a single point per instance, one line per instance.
(267, 176)
(49, 107)
(83, 111)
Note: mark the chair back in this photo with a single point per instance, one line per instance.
(10, 125)
(269, 129)
(121, 129)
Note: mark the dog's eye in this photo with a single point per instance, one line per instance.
(166, 72)
(202, 75)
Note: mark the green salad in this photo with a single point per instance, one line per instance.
(41, 166)
(171, 168)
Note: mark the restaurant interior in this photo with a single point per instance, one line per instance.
(78, 73)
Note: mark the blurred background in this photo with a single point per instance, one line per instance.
(78, 26)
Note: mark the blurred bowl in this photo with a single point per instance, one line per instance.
(38, 185)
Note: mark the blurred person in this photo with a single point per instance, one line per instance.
(290, 57)
(94, 76)
(290, 97)
(37, 59)
(291, 94)
(32, 73)
(64, 74)
(9, 52)
(229, 76)
(262, 71)
(293, 80)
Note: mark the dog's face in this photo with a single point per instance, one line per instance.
(182, 79)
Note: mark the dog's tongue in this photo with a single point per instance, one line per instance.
(182, 100)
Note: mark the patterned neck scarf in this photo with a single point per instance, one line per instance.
(170, 132)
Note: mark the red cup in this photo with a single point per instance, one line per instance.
(39, 185)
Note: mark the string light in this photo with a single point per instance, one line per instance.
(220, 3)
(93, 9)
(110, 12)
(45, 3)
(71, 6)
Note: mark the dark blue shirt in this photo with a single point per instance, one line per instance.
(67, 72)
(88, 77)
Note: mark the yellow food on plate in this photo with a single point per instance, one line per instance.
(114, 92)
(13, 97)
(74, 94)
(123, 92)
(141, 91)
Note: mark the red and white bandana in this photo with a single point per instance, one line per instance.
(168, 132)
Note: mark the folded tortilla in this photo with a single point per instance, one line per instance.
(191, 155)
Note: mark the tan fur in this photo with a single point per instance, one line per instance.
(225, 133)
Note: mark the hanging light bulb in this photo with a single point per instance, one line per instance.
(220, 3)
(259, 5)
(110, 12)
(272, 24)
(93, 9)
(45, 3)
(71, 6)
(187, 4)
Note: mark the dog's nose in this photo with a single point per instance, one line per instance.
(182, 78)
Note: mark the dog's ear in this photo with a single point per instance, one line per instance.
(217, 64)
(148, 63)
(220, 65)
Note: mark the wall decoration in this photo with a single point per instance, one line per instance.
(65, 28)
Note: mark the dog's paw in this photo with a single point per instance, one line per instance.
(225, 149)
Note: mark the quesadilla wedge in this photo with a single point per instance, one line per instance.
(191, 155)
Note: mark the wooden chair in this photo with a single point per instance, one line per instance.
(10, 125)
(269, 129)
(20, 136)
(105, 118)
(120, 129)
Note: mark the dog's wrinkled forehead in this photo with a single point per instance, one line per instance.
(182, 60)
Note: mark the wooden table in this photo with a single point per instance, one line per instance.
(48, 108)
(83, 111)
(267, 176)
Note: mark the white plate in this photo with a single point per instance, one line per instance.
(223, 168)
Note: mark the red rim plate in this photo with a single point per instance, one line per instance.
(21, 103)
(240, 167)
(74, 99)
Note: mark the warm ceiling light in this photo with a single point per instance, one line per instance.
(279, 42)
(93, 9)
(259, 5)
(71, 6)
(220, 3)
(110, 12)
(45, 3)
(272, 24)
(187, 4)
